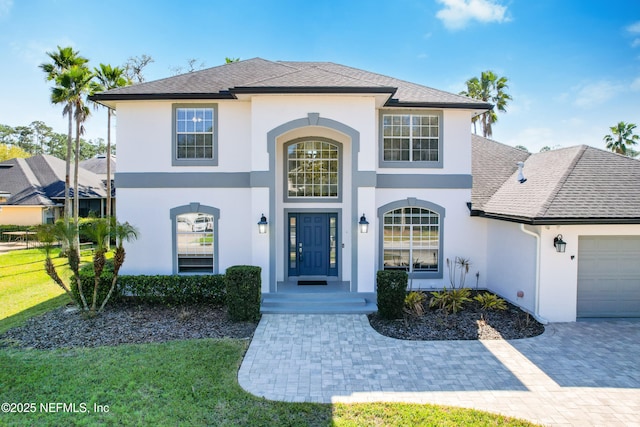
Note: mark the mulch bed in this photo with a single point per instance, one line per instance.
(126, 323)
(135, 323)
(469, 324)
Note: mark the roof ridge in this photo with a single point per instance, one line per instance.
(350, 77)
(554, 193)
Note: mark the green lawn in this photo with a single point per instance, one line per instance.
(25, 288)
(176, 383)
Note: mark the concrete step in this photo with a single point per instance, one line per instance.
(329, 303)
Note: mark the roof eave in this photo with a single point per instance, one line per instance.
(458, 105)
(556, 221)
(312, 89)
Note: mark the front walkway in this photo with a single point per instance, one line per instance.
(582, 374)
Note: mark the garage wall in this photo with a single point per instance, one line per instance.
(559, 271)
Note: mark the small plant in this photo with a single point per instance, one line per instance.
(461, 264)
(414, 303)
(490, 302)
(450, 301)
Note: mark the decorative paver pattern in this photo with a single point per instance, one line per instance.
(576, 374)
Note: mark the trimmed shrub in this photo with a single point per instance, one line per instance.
(392, 290)
(243, 283)
(87, 275)
(209, 288)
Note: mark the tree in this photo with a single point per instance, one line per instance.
(489, 88)
(12, 152)
(134, 66)
(72, 86)
(622, 139)
(109, 78)
(61, 61)
(228, 60)
(522, 147)
(41, 132)
(191, 66)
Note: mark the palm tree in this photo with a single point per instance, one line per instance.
(123, 232)
(63, 60)
(622, 139)
(109, 78)
(489, 88)
(73, 85)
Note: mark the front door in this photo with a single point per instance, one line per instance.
(313, 244)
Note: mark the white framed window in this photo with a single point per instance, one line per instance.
(195, 238)
(411, 240)
(312, 170)
(411, 139)
(194, 135)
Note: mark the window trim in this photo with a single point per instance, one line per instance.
(285, 172)
(193, 162)
(193, 207)
(412, 202)
(409, 164)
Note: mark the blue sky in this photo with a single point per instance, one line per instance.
(573, 65)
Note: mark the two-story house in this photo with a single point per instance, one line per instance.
(319, 173)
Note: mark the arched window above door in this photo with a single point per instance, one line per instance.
(313, 170)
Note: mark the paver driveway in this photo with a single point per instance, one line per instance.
(583, 373)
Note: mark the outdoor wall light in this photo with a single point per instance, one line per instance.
(262, 225)
(559, 244)
(364, 224)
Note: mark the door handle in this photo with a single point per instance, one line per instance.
(300, 251)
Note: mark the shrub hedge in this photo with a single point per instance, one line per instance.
(175, 289)
(243, 283)
(392, 290)
(86, 275)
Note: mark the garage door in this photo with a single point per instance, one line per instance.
(609, 276)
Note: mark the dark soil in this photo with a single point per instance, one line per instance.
(133, 323)
(126, 323)
(471, 323)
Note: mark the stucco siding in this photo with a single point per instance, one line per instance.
(512, 263)
(21, 215)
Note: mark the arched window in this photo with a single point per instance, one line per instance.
(312, 169)
(411, 239)
(195, 238)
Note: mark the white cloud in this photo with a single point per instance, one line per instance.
(5, 7)
(594, 94)
(635, 85)
(34, 52)
(634, 28)
(456, 14)
(635, 43)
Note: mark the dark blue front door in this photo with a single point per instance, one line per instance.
(312, 244)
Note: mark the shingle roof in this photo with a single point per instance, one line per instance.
(98, 165)
(39, 180)
(259, 75)
(580, 184)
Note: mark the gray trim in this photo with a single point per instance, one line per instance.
(194, 162)
(420, 164)
(288, 211)
(412, 202)
(194, 207)
(259, 179)
(313, 119)
(182, 180)
(365, 179)
(285, 169)
(424, 181)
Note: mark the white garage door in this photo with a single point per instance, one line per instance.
(609, 276)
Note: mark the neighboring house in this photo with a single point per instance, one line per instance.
(34, 190)
(312, 151)
(98, 165)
